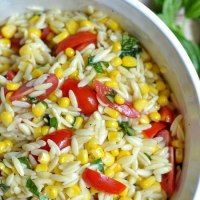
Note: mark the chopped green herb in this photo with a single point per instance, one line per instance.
(98, 164)
(126, 128)
(53, 122)
(130, 46)
(98, 66)
(148, 156)
(32, 100)
(25, 161)
(4, 187)
(111, 95)
(32, 187)
(46, 119)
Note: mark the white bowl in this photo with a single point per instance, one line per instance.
(167, 52)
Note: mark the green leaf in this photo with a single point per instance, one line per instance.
(130, 46)
(148, 156)
(126, 128)
(4, 187)
(32, 187)
(111, 95)
(25, 161)
(32, 100)
(192, 9)
(98, 164)
(98, 66)
(53, 122)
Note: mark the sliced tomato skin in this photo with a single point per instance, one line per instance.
(124, 109)
(82, 46)
(10, 75)
(155, 128)
(101, 182)
(61, 137)
(85, 96)
(167, 114)
(76, 40)
(45, 33)
(165, 134)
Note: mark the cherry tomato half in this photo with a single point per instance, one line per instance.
(165, 134)
(167, 114)
(102, 183)
(45, 33)
(10, 75)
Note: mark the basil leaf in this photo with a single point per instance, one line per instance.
(148, 156)
(32, 187)
(98, 164)
(98, 66)
(53, 122)
(111, 95)
(126, 128)
(4, 187)
(192, 9)
(130, 46)
(32, 100)
(25, 161)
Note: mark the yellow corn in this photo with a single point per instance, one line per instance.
(83, 156)
(34, 32)
(33, 19)
(112, 124)
(109, 172)
(114, 74)
(119, 99)
(179, 155)
(148, 65)
(156, 69)
(25, 50)
(69, 52)
(6, 118)
(64, 102)
(155, 116)
(144, 119)
(41, 168)
(115, 152)
(129, 61)
(74, 74)
(66, 157)
(59, 72)
(144, 88)
(156, 187)
(147, 182)
(165, 92)
(163, 100)
(111, 112)
(72, 26)
(8, 95)
(124, 193)
(78, 122)
(37, 132)
(4, 67)
(177, 144)
(93, 190)
(153, 90)
(86, 23)
(140, 104)
(45, 130)
(51, 191)
(98, 153)
(69, 118)
(5, 43)
(36, 73)
(73, 191)
(160, 85)
(117, 61)
(111, 84)
(125, 198)
(3, 147)
(117, 167)
(65, 65)
(113, 25)
(123, 153)
(44, 158)
(58, 38)
(115, 136)
(11, 86)
(53, 97)
(38, 109)
(108, 159)
(91, 144)
(2, 166)
(8, 30)
(116, 46)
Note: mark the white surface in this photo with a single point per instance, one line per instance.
(167, 51)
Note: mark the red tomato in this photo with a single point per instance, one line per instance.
(168, 180)
(45, 33)
(15, 43)
(124, 109)
(61, 137)
(155, 128)
(102, 183)
(85, 96)
(10, 75)
(165, 135)
(167, 114)
(82, 46)
(24, 90)
(76, 40)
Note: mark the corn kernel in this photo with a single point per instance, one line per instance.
(165, 92)
(8, 143)
(83, 156)
(8, 31)
(144, 119)
(177, 144)
(91, 144)
(140, 104)
(5, 43)
(116, 46)
(179, 155)
(51, 191)
(119, 99)
(98, 153)
(147, 182)
(155, 116)
(86, 23)
(123, 153)
(3, 147)
(113, 25)
(64, 102)
(53, 97)
(153, 90)
(11, 86)
(25, 50)
(38, 109)
(144, 88)
(2, 166)
(44, 158)
(115, 152)
(44, 130)
(111, 84)
(125, 198)
(124, 193)
(160, 85)
(70, 118)
(59, 72)
(156, 187)
(148, 65)
(66, 157)
(114, 74)
(74, 74)
(72, 191)
(4, 67)
(156, 69)
(108, 159)
(33, 19)
(65, 65)
(41, 168)
(37, 132)
(117, 168)
(78, 122)
(112, 124)
(69, 52)
(117, 61)
(58, 38)
(34, 32)
(8, 95)
(72, 26)
(163, 100)
(111, 112)
(115, 136)
(129, 61)
(6, 118)
(109, 172)
(93, 190)
(36, 73)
